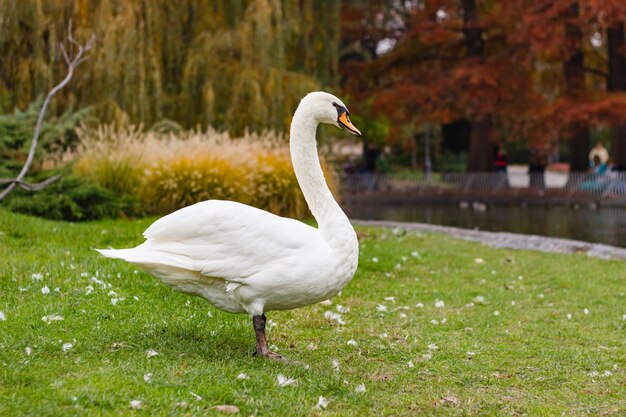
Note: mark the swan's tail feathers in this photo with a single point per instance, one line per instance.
(110, 253)
(140, 256)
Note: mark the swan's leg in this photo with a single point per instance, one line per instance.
(261, 341)
(259, 330)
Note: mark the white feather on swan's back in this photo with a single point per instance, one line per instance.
(207, 237)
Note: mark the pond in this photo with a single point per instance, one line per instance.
(605, 225)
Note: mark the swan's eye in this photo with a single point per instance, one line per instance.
(340, 110)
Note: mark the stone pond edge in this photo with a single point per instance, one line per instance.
(508, 240)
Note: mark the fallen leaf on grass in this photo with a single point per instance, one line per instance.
(230, 409)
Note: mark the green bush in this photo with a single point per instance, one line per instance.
(16, 133)
(70, 198)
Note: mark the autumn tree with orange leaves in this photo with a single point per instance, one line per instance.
(533, 71)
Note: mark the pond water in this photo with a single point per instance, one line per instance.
(605, 225)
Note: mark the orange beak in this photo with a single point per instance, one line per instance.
(344, 121)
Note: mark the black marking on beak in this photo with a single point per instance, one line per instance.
(340, 110)
(344, 121)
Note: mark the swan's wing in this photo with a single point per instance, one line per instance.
(229, 240)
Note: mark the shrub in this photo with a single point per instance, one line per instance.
(112, 159)
(275, 186)
(187, 179)
(167, 171)
(16, 132)
(70, 198)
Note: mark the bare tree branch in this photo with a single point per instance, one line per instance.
(32, 187)
(72, 63)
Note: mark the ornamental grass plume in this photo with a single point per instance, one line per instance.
(167, 171)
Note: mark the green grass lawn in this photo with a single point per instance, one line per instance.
(430, 329)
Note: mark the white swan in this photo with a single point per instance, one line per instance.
(245, 260)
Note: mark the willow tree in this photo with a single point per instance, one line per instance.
(235, 64)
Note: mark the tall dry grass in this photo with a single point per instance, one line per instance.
(168, 171)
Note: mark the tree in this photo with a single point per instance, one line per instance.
(574, 73)
(616, 81)
(234, 64)
(515, 71)
(481, 137)
(447, 67)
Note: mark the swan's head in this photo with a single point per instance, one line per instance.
(326, 108)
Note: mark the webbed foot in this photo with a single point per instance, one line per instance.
(270, 355)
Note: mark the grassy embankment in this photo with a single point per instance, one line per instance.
(431, 330)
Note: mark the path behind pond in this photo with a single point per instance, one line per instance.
(509, 240)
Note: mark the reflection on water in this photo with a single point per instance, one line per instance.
(600, 226)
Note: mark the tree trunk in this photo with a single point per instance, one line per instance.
(616, 81)
(456, 136)
(573, 69)
(579, 147)
(481, 152)
(481, 146)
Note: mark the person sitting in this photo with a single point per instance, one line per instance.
(598, 158)
(597, 167)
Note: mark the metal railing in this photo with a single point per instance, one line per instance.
(578, 184)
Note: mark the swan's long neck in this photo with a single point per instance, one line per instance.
(332, 221)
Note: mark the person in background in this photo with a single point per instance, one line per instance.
(598, 158)
(501, 160)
